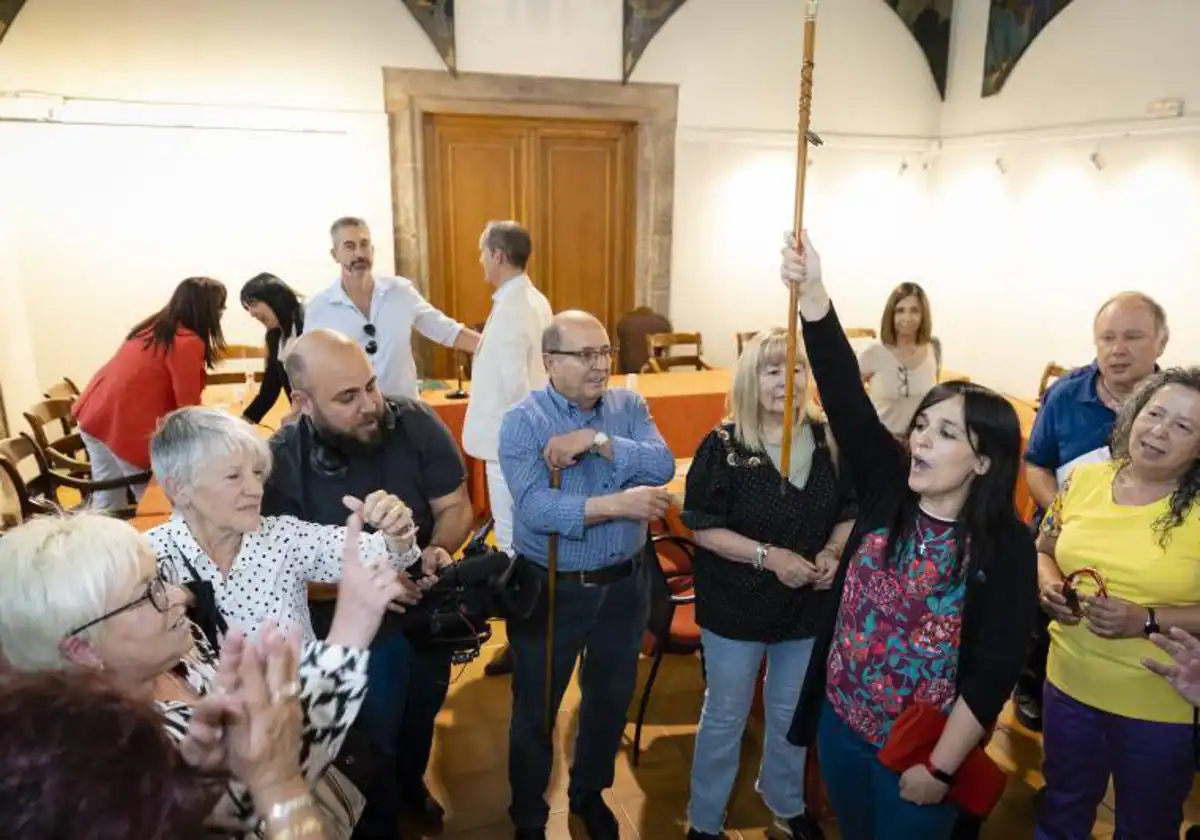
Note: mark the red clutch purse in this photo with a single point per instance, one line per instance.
(978, 784)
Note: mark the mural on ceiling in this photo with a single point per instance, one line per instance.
(437, 19)
(643, 19)
(1012, 26)
(929, 23)
(9, 9)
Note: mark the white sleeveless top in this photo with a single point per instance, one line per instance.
(896, 390)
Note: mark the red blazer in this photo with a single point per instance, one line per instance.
(138, 386)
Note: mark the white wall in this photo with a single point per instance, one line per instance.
(17, 367)
(115, 216)
(112, 217)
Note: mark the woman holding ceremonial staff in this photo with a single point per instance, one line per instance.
(936, 593)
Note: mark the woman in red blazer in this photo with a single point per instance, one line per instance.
(161, 367)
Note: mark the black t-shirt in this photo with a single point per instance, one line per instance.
(419, 462)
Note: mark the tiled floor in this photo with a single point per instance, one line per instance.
(468, 772)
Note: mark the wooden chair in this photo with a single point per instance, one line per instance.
(743, 338)
(658, 352)
(1052, 372)
(244, 351)
(39, 494)
(861, 332)
(672, 624)
(62, 452)
(64, 390)
(21, 497)
(632, 329)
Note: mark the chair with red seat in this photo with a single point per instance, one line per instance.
(672, 626)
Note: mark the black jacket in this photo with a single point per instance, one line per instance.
(1001, 600)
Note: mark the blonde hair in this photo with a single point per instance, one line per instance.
(56, 574)
(744, 409)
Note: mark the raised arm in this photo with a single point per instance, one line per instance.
(875, 460)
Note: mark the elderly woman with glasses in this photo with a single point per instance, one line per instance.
(764, 566)
(212, 466)
(84, 592)
(1119, 565)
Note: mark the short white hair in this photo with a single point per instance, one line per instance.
(189, 438)
(57, 573)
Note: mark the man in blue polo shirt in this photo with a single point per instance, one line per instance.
(1073, 426)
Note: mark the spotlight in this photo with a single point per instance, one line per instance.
(1002, 166)
(1098, 161)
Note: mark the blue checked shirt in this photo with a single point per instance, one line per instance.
(640, 458)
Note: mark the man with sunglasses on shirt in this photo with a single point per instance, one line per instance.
(380, 313)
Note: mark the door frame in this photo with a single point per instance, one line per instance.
(409, 95)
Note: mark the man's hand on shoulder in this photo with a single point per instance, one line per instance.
(565, 450)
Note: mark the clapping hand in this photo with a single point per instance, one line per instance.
(1184, 673)
(366, 590)
(387, 514)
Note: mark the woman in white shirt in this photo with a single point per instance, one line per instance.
(212, 466)
(903, 366)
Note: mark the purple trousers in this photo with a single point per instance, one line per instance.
(1151, 765)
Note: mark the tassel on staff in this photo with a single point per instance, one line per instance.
(805, 136)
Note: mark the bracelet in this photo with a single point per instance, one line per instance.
(760, 556)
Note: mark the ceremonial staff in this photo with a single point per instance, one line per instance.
(804, 137)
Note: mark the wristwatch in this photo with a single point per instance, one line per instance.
(941, 775)
(1151, 625)
(598, 441)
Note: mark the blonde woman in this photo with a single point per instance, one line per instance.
(764, 566)
(903, 366)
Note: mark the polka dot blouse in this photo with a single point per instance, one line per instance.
(269, 577)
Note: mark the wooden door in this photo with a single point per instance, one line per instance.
(570, 182)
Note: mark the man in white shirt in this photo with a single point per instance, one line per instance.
(380, 312)
(508, 365)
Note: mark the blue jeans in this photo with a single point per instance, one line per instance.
(865, 795)
(731, 669)
(605, 625)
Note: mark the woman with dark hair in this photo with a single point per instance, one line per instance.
(160, 367)
(1118, 562)
(276, 306)
(936, 593)
(903, 365)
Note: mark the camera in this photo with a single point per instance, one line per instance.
(485, 584)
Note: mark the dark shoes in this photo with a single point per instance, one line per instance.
(502, 663)
(422, 807)
(597, 818)
(804, 827)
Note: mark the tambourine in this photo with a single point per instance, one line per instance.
(1071, 591)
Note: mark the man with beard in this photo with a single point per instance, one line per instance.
(350, 438)
(380, 313)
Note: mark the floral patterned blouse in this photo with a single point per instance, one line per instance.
(898, 630)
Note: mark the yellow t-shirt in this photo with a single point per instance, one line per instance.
(1120, 543)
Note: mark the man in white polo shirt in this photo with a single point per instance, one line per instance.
(508, 365)
(380, 312)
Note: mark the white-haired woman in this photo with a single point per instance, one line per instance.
(84, 592)
(212, 466)
(764, 566)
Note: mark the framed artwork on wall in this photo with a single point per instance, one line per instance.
(1013, 25)
(929, 23)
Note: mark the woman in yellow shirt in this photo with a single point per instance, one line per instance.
(1134, 522)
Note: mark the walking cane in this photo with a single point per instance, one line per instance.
(552, 575)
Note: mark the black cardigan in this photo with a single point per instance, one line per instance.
(1001, 603)
(275, 379)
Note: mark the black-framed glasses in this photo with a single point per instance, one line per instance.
(157, 593)
(372, 346)
(590, 355)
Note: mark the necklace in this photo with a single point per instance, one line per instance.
(919, 533)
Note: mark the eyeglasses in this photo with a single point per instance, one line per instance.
(598, 356)
(157, 593)
(902, 375)
(372, 346)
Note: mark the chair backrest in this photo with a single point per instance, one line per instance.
(659, 358)
(861, 332)
(743, 338)
(632, 329)
(20, 469)
(64, 390)
(69, 444)
(1052, 372)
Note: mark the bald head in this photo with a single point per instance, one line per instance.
(568, 324)
(1131, 334)
(318, 352)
